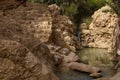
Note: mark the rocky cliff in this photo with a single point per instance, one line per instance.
(99, 33)
(23, 55)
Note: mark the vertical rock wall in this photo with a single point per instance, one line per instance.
(101, 29)
(22, 54)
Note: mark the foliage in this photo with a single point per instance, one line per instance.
(115, 4)
(78, 9)
(70, 10)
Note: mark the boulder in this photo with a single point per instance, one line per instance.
(99, 33)
(95, 72)
(19, 62)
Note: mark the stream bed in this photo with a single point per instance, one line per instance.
(93, 56)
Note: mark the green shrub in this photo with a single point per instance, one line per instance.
(71, 10)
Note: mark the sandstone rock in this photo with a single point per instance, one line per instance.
(22, 55)
(86, 32)
(72, 57)
(116, 41)
(101, 29)
(62, 35)
(36, 18)
(54, 9)
(64, 51)
(95, 72)
(11, 4)
(18, 62)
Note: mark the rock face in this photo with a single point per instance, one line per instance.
(21, 63)
(95, 72)
(11, 4)
(22, 54)
(101, 29)
(63, 33)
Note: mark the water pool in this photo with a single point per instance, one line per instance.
(93, 56)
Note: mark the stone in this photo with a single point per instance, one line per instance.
(5, 5)
(54, 9)
(100, 31)
(72, 57)
(64, 51)
(95, 72)
(23, 55)
(18, 62)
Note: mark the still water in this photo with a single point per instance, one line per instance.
(93, 56)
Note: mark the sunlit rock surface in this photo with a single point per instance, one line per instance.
(101, 29)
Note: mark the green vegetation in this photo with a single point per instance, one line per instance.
(77, 10)
(106, 11)
(115, 4)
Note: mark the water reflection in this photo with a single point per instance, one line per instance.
(74, 75)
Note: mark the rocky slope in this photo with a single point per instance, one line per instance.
(99, 33)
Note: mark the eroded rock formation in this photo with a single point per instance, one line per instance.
(22, 55)
(99, 33)
(11, 4)
(116, 51)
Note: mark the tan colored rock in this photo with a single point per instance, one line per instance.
(95, 72)
(18, 62)
(101, 29)
(11, 4)
(72, 57)
(22, 55)
(54, 9)
(62, 35)
(86, 32)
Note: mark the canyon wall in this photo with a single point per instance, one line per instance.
(99, 33)
(23, 55)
